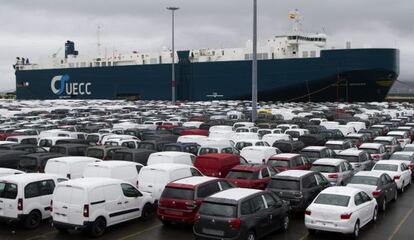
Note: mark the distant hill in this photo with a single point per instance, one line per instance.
(404, 87)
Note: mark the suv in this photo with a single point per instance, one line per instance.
(241, 213)
(359, 159)
(181, 199)
(251, 176)
(391, 143)
(316, 152)
(339, 145)
(377, 151)
(337, 171)
(299, 187)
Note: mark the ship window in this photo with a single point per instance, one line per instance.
(313, 53)
(222, 53)
(71, 65)
(304, 54)
(109, 64)
(294, 53)
(103, 64)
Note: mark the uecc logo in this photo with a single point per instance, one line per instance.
(65, 87)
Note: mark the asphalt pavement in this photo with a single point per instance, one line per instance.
(397, 223)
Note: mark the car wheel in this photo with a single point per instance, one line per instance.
(311, 231)
(402, 188)
(285, 223)
(395, 195)
(251, 236)
(355, 234)
(33, 220)
(146, 212)
(97, 228)
(384, 205)
(375, 216)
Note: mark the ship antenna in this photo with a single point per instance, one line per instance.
(296, 17)
(98, 35)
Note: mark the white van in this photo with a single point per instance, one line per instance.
(256, 154)
(171, 157)
(69, 167)
(191, 139)
(357, 125)
(238, 136)
(9, 171)
(152, 179)
(93, 204)
(272, 138)
(26, 197)
(23, 139)
(123, 170)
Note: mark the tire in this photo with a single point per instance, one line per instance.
(146, 212)
(311, 231)
(384, 205)
(395, 195)
(97, 228)
(355, 234)
(402, 190)
(33, 220)
(375, 216)
(251, 236)
(61, 230)
(285, 223)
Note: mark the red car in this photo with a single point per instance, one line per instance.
(217, 164)
(251, 176)
(181, 199)
(289, 161)
(194, 132)
(5, 133)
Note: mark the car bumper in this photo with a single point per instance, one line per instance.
(19, 218)
(199, 236)
(189, 219)
(329, 226)
(71, 226)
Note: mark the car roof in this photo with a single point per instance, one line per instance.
(370, 145)
(235, 194)
(384, 138)
(369, 173)
(171, 154)
(27, 177)
(314, 148)
(355, 135)
(350, 152)
(392, 162)
(72, 159)
(336, 141)
(340, 190)
(294, 173)
(166, 166)
(89, 183)
(113, 163)
(191, 182)
(406, 153)
(397, 132)
(284, 156)
(329, 161)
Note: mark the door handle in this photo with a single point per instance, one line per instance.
(64, 207)
(149, 185)
(119, 203)
(126, 202)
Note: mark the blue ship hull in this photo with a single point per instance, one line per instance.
(337, 75)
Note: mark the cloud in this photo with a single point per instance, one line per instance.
(37, 29)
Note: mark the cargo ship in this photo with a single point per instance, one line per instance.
(295, 67)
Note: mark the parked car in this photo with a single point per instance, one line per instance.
(92, 204)
(30, 148)
(357, 139)
(288, 146)
(382, 128)
(315, 152)
(289, 161)
(339, 145)
(23, 139)
(391, 143)
(342, 210)
(402, 137)
(409, 147)
(134, 155)
(104, 152)
(171, 157)
(271, 138)
(241, 213)
(69, 167)
(380, 185)
(217, 164)
(251, 176)
(181, 199)
(337, 171)
(359, 159)
(298, 187)
(397, 170)
(26, 198)
(239, 145)
(9, 171)
(407, 157)
(216, 148)
(70, 149)
(377, 151)
(10, 158)
(35, 162)
(153, 179)
(313, 139)
(123, 170)
(258, 154)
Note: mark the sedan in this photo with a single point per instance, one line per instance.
(382, 187)
(397, 170)
(342, 210)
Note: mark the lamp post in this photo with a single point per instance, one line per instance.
(254, 64)
(173, 9)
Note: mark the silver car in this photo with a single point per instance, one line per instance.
(337, 171)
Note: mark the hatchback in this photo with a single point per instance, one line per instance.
(251, 176)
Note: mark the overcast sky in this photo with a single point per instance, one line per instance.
(38, 28)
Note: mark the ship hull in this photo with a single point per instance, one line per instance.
(337, 75)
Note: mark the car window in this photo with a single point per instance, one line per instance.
(270, 200)
(31, 190)
(245, 208)
(272, 171)
(265, 173)
(342, 167)
(358, 199)
(207, 190)
(8, 190)
(225, 185)
(195, 172)
(309, 182)
(257, 204)
(365, 197)
(130, 191)
(319, 179)
(46, 187)
(389, 180)
(384, 180)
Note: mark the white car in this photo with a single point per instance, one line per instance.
(171, 157)
(96, 203)
(397, 170)
(9, 171)
(406, 156)
(341, 209)
(337, 171)
(402, 137)
(26, 197)
(124, 170)
(69, 167)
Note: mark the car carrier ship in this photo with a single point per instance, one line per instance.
(292, 67)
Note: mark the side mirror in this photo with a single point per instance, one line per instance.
(199, 201)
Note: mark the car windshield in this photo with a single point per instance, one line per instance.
(8, 190)
(278, 163)
(240, 175)
(178, 193)
(28, 163)
(366, 180)
(311, 154)
(386, 167)
(208, 150)
(370, 150)
(96, 153)
(56, 149)
(349, 158)
(383, 142)
(218, 210)
(241, 145)
(332, 199)
(335, 146)
(92, 138)
(172, 148)
(284, 184)
(324, 168)
(293, 134)
(401, 157)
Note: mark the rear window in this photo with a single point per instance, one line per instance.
(311, 154)
(172, 148)
(364, 180)
(324, 168)
(96, 153)
(241, 175)
(349, 158)
(284, 184)
(122, 156)
(241, 145)
(332, 199)
(8, 190)
(45, 143)
(178, 193)
(279, 163)
(386, 167)
(28, 163)
(401, 157)
(92, 138)
(218, 210)
(208, 150)
(335, 146)
(370, 150)
(57, 149)
(69, 195)
(148, 146)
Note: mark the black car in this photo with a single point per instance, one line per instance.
(133, 155)
(241, 213)
(381, 185)
(288, 146)
(69, 149)
(313, 139)
(103, 152)
(298, 187)
(10, 158)
(23, 147)
(35, 162)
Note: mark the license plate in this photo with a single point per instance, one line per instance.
(213, 232)
(325, 223)
(173, 212)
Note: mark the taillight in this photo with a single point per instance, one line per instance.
(68, 176)
(137, 183)
(86, 210)
(219, 174)
(346, 216)
(411, 165)
(197, 218)
(333, 175)
(397, 177)
(376, 193)
(235, 223)
(298, 195)
(191, 205)
(20, 204)
(307, 212)
(51, 205)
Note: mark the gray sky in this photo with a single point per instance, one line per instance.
(38, 28)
